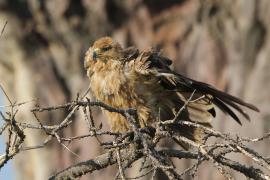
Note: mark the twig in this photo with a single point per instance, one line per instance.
(3, 29)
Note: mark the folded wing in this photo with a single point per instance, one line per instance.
(206, 94)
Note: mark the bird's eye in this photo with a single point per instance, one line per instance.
(106, 48)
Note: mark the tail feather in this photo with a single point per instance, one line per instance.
(192, 133)
(221, 105)
(200, 113)
(206, 88)
(200, 109)
(224, 101)
(239, 109)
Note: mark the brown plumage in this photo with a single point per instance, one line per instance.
(127, 78)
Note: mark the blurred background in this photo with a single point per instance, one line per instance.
(224, 43)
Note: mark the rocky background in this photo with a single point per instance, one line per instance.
(224, 43)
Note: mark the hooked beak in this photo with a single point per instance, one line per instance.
(96, 53)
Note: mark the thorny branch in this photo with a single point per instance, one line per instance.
(139, 143)
(15, 133)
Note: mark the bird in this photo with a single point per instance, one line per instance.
(142, 79)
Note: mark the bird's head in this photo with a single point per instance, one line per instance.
(103, 50)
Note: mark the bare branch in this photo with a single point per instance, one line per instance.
(98, 163)
(140, 142)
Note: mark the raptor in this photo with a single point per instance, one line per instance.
(129, 78)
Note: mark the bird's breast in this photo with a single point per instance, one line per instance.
(113, 88)
(126, 90)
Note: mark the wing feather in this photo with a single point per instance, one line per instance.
(153, 62)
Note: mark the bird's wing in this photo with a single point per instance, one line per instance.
(222, 100)
(150, 58)
(130, 53)
(151, 62)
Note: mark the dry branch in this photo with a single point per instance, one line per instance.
(141, 142)
(100, 162)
